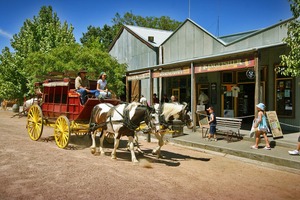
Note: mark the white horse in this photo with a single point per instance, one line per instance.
(164, 117)
(120, 120)
(28, 103)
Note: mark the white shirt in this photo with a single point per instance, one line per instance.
(235, 91)
(102, 84)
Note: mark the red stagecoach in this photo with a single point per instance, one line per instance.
(61, 109)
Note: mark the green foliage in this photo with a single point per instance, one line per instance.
(44, 45)
(291, 62)
(106, 35)
(72, 58)
(43, 33)
(36, 38)
(11, 78)
(163, 23)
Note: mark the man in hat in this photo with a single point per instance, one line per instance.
(82, 86)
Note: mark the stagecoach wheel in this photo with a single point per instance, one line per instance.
(62, 132)
(35, 122)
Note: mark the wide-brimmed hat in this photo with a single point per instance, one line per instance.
(82, 71)
(102, 74)
(261, 106)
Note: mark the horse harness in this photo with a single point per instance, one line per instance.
(126, 118)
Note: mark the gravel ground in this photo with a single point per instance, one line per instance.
(40, 170)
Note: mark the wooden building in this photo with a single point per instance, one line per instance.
(235, 71)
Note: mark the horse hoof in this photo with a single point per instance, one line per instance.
(93, 150)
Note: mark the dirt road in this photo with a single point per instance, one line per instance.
(40, 170)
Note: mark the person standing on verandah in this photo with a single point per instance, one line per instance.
(261, 124)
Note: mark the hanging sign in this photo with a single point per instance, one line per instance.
(250, 73)
(172, 72)
(225, 65)
(138, 76)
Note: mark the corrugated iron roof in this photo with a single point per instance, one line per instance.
(233, 37)
(159, 35)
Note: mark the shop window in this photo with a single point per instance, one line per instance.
(285, 93)
(227, 77)
(176, 93)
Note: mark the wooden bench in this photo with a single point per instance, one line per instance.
(230, 126)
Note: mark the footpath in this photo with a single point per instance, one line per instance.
(278, 154)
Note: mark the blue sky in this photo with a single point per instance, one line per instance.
(234, 16)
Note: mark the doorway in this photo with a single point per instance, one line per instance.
(246, 100)
(238, 100)
(228, 100)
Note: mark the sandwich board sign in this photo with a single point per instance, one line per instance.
(274, 124)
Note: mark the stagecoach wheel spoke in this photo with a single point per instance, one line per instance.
(35, 122)
(62, 132)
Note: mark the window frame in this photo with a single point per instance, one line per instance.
(284, 94)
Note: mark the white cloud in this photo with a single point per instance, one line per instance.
(5, 34)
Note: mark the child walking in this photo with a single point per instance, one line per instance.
(262, 128)
(212, 124)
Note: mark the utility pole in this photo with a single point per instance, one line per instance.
(189, 9)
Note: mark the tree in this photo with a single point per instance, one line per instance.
(36, 37)
(291, 62)
(163, 23)
(90, 35)
(108, 33)
(43, 33)
(73, 57)
(11, 79)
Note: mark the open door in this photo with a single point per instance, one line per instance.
(135, 90)
(229, 100)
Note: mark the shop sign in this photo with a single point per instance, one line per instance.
(226, 65)
(274, 124)
(138, 76)
(172, 72)
(250, 73)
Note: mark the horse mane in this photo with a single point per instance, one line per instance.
(132, 105)
(171, 109)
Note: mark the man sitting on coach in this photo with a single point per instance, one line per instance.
(82, 86)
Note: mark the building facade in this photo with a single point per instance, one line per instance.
(235, 71)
